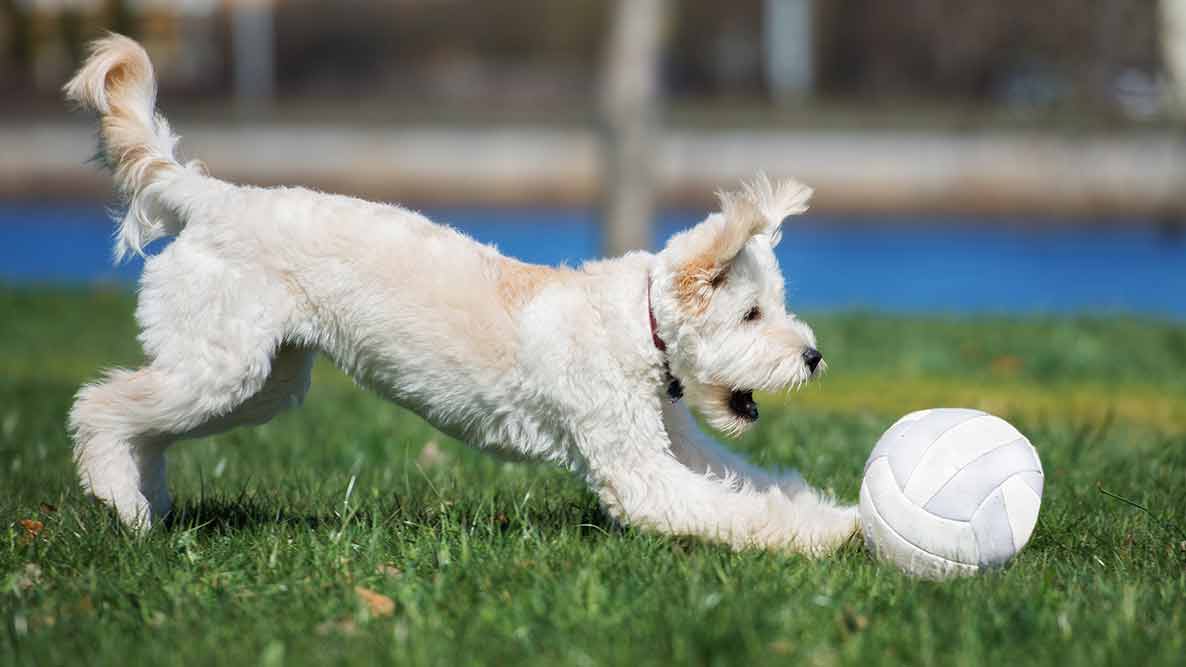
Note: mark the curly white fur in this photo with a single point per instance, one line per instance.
(531, 361)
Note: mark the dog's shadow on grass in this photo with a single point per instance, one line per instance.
(221, 516)
(225, 516)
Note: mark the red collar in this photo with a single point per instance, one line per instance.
(675, 389)
(662, 347)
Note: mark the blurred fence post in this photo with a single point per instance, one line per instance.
(630, 115)
(253, 52)
(787, 33)
(1173, 48)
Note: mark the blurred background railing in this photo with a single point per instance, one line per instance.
(1008, 60)
(881, 104)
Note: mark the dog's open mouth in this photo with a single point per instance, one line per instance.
(742, 404)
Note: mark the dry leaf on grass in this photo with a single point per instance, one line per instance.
(379, 604)
(32, 527)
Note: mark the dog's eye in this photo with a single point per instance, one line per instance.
(753, 314)
(719, 278)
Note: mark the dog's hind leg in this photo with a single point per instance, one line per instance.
(211, 369)
(115, 456)
(123, 424)
(286, 387)
(121, 427)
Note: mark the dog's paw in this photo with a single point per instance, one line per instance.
(806, 522)
(833, 529)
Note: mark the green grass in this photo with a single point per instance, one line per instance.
(493, 563)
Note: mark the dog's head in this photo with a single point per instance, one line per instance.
(719, 303)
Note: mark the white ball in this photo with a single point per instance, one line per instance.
(949, 492)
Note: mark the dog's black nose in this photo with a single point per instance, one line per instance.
(812, 357)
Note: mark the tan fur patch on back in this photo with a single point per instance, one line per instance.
(519, 282)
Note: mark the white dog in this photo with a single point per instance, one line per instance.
(580, 367)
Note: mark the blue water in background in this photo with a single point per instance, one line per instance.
(887, 264)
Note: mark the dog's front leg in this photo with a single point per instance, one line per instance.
(696, 450)
(648, 487)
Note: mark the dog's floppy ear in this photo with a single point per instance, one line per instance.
(758, 208)
(700, 257)
(766, 204)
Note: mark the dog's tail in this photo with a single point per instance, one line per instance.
(135, 142)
